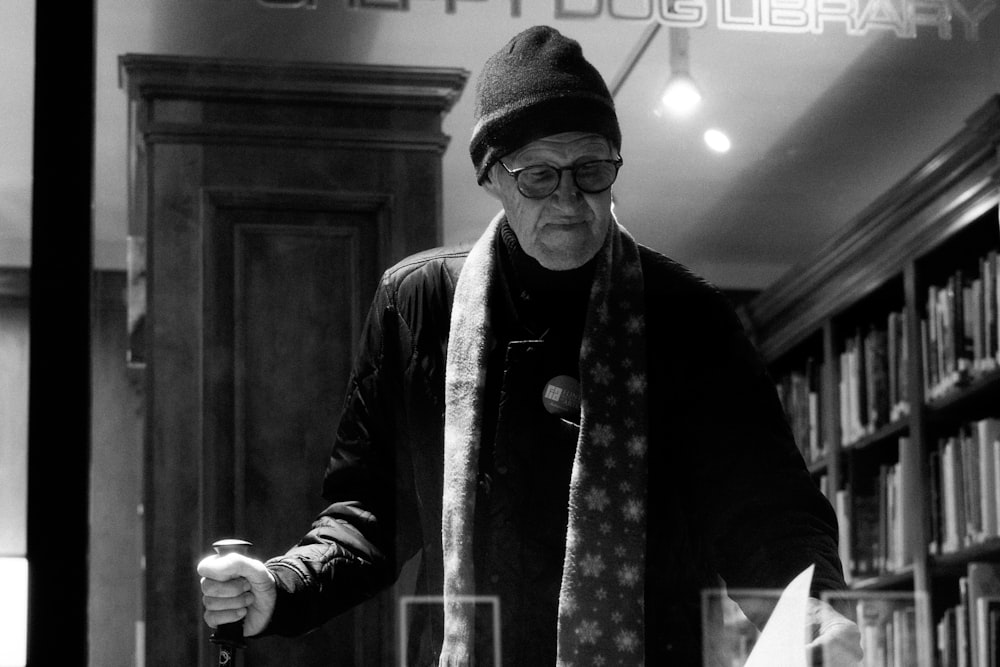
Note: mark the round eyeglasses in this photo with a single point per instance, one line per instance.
(540, 180)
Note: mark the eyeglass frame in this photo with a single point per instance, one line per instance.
(514, 173)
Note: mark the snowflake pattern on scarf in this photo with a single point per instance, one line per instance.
(604, 567)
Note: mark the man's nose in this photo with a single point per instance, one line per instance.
(567, 194)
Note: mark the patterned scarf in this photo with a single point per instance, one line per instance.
(601, 597)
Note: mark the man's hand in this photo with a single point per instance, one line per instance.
(836, 639)
(235, 587)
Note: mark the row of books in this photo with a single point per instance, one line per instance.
(874, 522)
(799, 391)
(965, 487)
(968, 634)
(888, 633)
(873, 383)
(960, 340)
(961, 331)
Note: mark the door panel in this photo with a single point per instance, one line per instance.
(288, 279)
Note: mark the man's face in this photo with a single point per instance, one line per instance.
(565, 229)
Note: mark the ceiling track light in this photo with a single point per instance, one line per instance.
(717, 140)
(681, 95)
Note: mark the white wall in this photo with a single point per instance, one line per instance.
(17, 71)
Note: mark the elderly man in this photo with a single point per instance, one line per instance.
(559, 417)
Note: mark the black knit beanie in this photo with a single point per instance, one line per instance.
(539, 84)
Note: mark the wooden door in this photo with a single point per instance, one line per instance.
(270, 198)
(288, 279)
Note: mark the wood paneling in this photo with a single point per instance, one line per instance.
(270, 196)
(303, 271)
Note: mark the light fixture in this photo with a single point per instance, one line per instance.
(717, 140)
(681, 95)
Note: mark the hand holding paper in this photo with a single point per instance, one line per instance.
(836, 638)
(785, 642)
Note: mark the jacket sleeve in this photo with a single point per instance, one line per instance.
(358, 544)
(761, 514)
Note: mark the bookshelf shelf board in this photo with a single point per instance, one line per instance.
(891, 430)
(903, 579)
(979, 392)
(952, 564)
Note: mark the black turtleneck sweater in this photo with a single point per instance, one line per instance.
(537, 318)
(546, 303)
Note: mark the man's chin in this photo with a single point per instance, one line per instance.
(562, 259)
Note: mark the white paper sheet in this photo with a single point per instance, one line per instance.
(782, 642)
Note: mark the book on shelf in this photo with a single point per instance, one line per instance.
(936, 502)
(897, 349)
(962, 636)
(984, 583)
(888, 633)
(875, 347)
(905, 650)
(824, 486)
(967, 633)
(953, 535)
(873, 386)
(947, 644)
(892, 555)
(866, 540)
(899, 479)
(960, 333)
(874, 520)
(814, 373)
(989, 622)
(986, 436)
(964, 482)
(799, 391)
(972, 486)
(853, 419)
(842, 507)
(991, 304)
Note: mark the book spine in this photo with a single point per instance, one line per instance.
(845, 398)
(904, 364)
(936, 541)
(907, 489)
(985, 431)
(842, 506)
(970, 476)
(893, 357)
(996, 300)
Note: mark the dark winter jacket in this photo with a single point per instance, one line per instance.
(729, 495)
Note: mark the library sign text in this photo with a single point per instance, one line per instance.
(904, 18)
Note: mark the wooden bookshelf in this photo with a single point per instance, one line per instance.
(901, 580)
(891, 430)
(895, 324)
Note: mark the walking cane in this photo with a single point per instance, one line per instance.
(229, 636)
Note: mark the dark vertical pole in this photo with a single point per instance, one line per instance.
(919, 457)
(59, 377)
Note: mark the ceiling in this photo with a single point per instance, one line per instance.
(821, 124)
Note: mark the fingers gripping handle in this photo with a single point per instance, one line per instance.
(230, 635)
